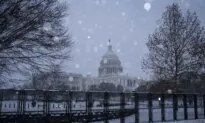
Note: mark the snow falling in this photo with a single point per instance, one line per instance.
(70, 78)
(126, 22)
(106, 29)
(147, 6)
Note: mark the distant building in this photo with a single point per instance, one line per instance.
(110, 64)
(111, 71)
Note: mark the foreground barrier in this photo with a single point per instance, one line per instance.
(77, 106)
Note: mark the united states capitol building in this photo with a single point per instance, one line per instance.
(110, 71)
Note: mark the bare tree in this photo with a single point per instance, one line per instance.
(32, 35)
(172, 46)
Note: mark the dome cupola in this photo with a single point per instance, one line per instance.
(110, 63)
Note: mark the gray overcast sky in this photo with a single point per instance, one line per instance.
(126, 22)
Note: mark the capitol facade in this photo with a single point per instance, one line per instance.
(111, 71)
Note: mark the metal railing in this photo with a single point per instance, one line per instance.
(18, 105)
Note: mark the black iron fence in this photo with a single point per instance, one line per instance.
(77, 106)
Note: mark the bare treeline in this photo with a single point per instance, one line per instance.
(177, 46)
(32, 36)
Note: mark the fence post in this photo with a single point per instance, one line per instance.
(69, 105)
(1, 99)
(122, 107)
(46, 103)
(162, 108)
(67, 102)
(19, 102)
(136, 97)
(23, 101)
(88, 105)
(185, 106)
(106, 104)
(46, 106)
(195, 107)
(175, 106)
(20, 105)
(150, 107)
(204, 104)
(23, 105)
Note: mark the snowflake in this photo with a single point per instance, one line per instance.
(131, 30)
(185, 3)
(169, 91)
(103, 2)
(147, 6)
(80, 22)
(70, 78)
(101, 45)
(88, 73)
(108, 43)
(97, 2)
(117, 3)
(56, 39)
(105, 61)
(118, 50)
(89, 37)
(77, 65)
(110, 33)
(123, 13)
(160, 45)
(96, 25)
(47, 26)
(84, 29)
(135, 43)
(95, 49)
(100, 27)
(144, 20)
(60, 106)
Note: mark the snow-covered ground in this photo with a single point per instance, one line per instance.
(184, 121)
(157, 115)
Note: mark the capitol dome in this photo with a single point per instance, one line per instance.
(110, 63)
